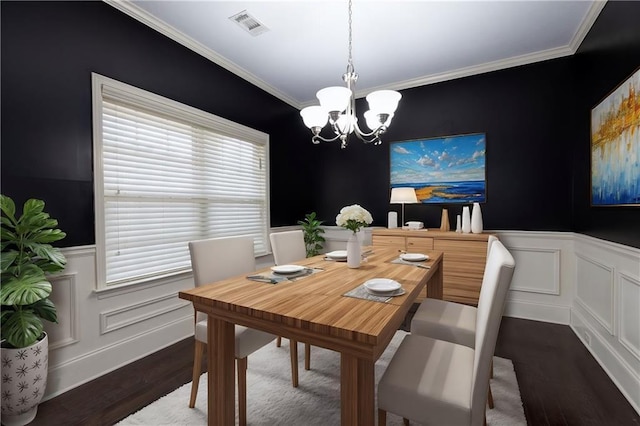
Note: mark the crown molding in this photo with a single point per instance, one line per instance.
(587, 23)
(475, 69)
(151, 21)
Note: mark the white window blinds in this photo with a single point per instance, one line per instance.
(169, 175)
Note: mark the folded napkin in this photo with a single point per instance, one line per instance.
(406, 262)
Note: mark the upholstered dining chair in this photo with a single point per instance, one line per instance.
(450, 321)
(434, 381)
(213, 260)
(289, 247)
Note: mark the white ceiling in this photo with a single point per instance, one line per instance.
(396, 44)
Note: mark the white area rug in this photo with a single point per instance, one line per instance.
(271, 400)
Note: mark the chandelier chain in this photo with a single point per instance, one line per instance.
(350, 37)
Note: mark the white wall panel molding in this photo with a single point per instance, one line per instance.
(537, 311)
(625, 375)
(537, 271)
(66, 331)
(629, 319)
(135, 313)
(595, 290)
(90, 365)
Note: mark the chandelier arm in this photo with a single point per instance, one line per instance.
(317, 138)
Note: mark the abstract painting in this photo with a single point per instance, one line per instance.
(615, 146)
(442, 170)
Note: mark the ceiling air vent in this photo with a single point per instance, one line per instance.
(249, 23)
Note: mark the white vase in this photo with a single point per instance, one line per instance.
(458, 224)
(476, 219)
(353, 251)
(466, 220)
(24, 378)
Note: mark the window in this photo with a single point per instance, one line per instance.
(166, 174)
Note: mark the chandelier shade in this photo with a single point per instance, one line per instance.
(334, 99)
(338, 108)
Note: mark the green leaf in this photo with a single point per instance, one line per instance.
(45, 309)
(32, 207)
(22, 328)
(8, 207)
(27, 288)
(48, 236)
(7, 258)
(52, 254)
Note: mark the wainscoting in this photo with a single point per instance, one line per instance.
(565, 278)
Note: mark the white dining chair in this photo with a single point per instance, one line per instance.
(433, 381)
(450, 321)
(213, 260)
(289, 247)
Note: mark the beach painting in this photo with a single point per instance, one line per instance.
(615, 146)
(442, 170)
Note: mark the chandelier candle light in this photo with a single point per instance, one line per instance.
(353, 218)
(338, 107)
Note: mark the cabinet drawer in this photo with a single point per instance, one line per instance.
(388, 240)
(418, 243)
(469, 251)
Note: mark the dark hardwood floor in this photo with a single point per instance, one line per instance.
(560, 382)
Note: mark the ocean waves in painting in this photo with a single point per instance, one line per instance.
(449, 192)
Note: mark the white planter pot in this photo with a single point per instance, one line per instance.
(24, 378)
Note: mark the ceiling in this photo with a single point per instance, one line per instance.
(396, 44)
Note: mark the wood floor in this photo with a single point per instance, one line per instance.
(560, 382)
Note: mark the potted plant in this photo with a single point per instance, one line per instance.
(311, 228)
(26, 258)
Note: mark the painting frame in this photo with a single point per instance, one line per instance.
(442, 169)
(615, 146)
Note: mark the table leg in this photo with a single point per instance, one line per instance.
(221, 377)
(357, 390)
(435, 283)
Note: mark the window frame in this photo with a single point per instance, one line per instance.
(105, 87)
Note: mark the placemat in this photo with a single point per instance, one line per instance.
(273, 278)
(406, 262)
(361, 292)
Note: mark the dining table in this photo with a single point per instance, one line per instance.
(328, 307)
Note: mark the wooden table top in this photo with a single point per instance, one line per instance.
(313, 309)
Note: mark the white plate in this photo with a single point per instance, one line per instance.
(338, 254)
(398, 292)
(287, 269)
(382, 285)
(414, 257)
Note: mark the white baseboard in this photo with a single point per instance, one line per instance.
(625, 378)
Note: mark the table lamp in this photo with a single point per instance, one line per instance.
(403, 196)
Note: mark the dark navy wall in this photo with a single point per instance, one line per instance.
(536, 118)
(50, 49)
(608, 56)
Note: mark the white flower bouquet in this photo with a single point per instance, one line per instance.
(353, 218)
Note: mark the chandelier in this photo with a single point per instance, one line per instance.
(338, 107)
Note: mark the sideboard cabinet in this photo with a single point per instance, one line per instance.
(464, 258)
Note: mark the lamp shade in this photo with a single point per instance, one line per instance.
(314, 116)
(334, 98)
(373, 120)
(385, 101)
(403, 195)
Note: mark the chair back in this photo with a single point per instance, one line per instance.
(493, 294)
(218, 258)
(490, 241)
(288, 246)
